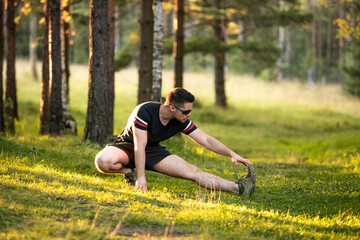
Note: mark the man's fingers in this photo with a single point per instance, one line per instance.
(141, 187)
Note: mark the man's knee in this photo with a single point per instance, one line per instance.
(194, 172)
(100, 162)
(110, 160)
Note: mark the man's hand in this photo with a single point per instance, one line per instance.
(141, 184)
(236, 159)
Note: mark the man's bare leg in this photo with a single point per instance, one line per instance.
(175, 166)
(111, 160)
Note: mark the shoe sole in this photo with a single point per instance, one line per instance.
(250, 179)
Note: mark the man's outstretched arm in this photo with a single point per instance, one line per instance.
(216, 146)
(140, 141)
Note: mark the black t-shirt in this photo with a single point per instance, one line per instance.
(146, 117)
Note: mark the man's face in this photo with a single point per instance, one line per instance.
(183, 113)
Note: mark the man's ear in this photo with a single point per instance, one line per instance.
(172, 108)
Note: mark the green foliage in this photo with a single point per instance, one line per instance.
(252, 57)
(295, 16)
(196, 44)
(125, 56)
(352, 81)
(307, 61)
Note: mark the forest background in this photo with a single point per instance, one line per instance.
(298, 128)
(314, 41)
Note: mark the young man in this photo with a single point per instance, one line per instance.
(138, 147)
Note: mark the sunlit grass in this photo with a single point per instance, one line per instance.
(304, 141)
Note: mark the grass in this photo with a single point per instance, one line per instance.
(304, 141)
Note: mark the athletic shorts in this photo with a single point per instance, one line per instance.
(153, 154)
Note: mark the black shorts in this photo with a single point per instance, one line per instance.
(153, 154)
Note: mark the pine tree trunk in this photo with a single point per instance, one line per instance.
(2, 124)
(281, 44)
(313, 70)
(179, 42)
(158, 51)
(220, 96)
(117, 30)
(293, 51)
(10, 94)
(328, 45)
(319, 48)
(111, 80)
(146, 51)
(32, 46)
(96, 129)
(341, 46)
(45, 101)
(68, 120)
(56, 123)
(240, 36)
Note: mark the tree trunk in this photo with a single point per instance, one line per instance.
(56, 124)
(117, 30)
(179, 42)
(2, 124)
(32, 46)
(328, 45)
(111, 80)
(319, 47)
(293, 51)
(45, 101)
(240, 36)
(96, 129)
(146, 51)
(68, 120)
(341, 46)
(10, 94)
(220, 96)
(281, 44)
(313, 70)
(158, 51)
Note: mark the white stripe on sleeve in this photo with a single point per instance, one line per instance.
(188, 125)
(142, 121)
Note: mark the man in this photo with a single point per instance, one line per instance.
(138, 147)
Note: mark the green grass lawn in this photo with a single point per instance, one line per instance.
(303, 140)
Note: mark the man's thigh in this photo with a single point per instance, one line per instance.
(175, 166)
(110, 159)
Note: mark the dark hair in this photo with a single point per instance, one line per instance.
(178, 96)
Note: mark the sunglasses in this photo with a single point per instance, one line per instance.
(185, 112)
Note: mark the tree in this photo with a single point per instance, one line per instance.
(2, 126)
(45, 100)
(10, 94)
(158, 51)
(32, 45)
(56, 125)
(146, 51)
(348, 25)
(281, 45)
(179, 42)
(328, 43)
(96, 129)
(220, 96)
(111, 79)
(67, 118)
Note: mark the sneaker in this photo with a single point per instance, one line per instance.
(246, 184)
(130, 178)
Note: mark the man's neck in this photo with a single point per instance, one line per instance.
(165, 114)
